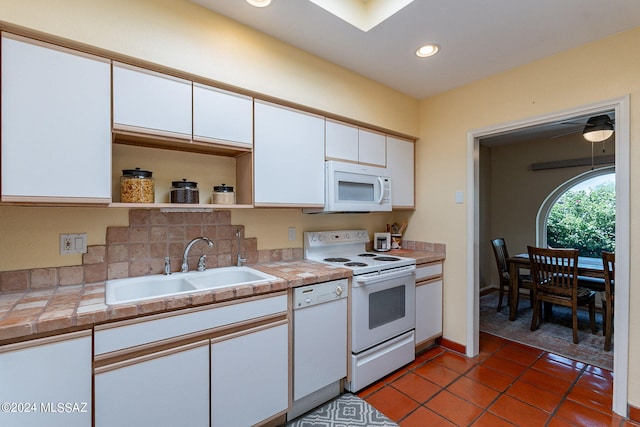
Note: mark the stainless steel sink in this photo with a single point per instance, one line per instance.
(121, 291)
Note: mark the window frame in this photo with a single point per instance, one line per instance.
(543, 213)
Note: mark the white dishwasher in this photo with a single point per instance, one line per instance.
(319, 344)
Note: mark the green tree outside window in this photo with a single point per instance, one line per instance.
(584, 219)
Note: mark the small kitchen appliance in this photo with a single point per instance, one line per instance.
(351, 187)
(382, 302)
(381, 242)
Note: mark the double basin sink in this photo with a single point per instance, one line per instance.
(129, 290)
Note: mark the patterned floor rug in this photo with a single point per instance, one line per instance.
(554, 335)
(346, 410)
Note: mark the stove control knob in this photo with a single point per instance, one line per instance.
(347, 236)
(339, 290)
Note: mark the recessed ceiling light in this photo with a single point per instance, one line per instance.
(427, 50)
(259, 3)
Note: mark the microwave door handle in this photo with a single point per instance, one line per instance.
(381, 183)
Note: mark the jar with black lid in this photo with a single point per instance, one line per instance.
(223, 195)
(136, 186)
(185, 192)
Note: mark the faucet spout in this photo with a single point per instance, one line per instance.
(185, 264)
(241, 259)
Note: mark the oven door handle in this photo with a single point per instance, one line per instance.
(366, 279)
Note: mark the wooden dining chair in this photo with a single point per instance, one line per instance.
(609, 264)
(501, 254)
(555, 280)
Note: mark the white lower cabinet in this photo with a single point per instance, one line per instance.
(428, 302)
(47, 382)
(226, 365)
(168, 388)
(249, 377)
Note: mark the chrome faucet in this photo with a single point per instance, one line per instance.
(185, 265)
(240, 259)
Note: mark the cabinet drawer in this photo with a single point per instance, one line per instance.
(118, 336)
(428, 271)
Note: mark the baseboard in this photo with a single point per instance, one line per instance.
(634, 414)
(452, 345)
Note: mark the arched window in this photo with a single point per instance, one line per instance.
(580, 214)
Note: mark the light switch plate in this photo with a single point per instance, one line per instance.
(73, 243)
(292, 233)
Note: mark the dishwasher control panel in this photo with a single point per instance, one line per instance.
(306, 296)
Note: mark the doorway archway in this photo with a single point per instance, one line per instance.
(621, 321)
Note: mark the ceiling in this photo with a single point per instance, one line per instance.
(550, 130)
(476, 38)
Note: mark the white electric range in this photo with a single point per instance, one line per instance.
(382, 302)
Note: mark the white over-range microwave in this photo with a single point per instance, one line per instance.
(351, 187)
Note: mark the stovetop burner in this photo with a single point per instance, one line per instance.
(355, 264)
(348, 249)
(386, 258)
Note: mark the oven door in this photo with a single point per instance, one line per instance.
(383, 306)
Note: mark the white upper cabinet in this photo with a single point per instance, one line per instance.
(152, 103)
(288, 157)
(222, 116)
(372, 148)
(400, 165)
(56, 124)
(353, 144)
(341, 141)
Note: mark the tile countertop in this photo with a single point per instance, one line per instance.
(44, 312)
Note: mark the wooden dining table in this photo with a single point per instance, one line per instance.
(588, 268)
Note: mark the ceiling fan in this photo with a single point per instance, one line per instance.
(596, 129)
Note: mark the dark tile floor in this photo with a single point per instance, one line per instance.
(507, 384)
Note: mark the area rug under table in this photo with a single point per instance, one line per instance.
(554, 335)
(346, 410)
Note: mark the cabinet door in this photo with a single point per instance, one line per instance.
(56, 130)
(249, 377)
(39, 378)
(400, 165)
(169, 388)
(341, 141)
(152, 103)
(222, 116)
(428, 310)
(372, 148)
(288, 157)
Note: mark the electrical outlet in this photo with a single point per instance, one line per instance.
(73, 243)
(292, 233)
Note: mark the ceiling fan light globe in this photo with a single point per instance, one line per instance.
(597, 135)
(598, 128)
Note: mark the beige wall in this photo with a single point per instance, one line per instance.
(185, 36)
(557, 83)
(512, 193)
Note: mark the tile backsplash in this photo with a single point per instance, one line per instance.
(140, 249)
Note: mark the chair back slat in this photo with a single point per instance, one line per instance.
(554, 270)
(609, 264)
(501, 254)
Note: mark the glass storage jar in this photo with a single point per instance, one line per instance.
(136, 186)
(223, 195)
(185, 192)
